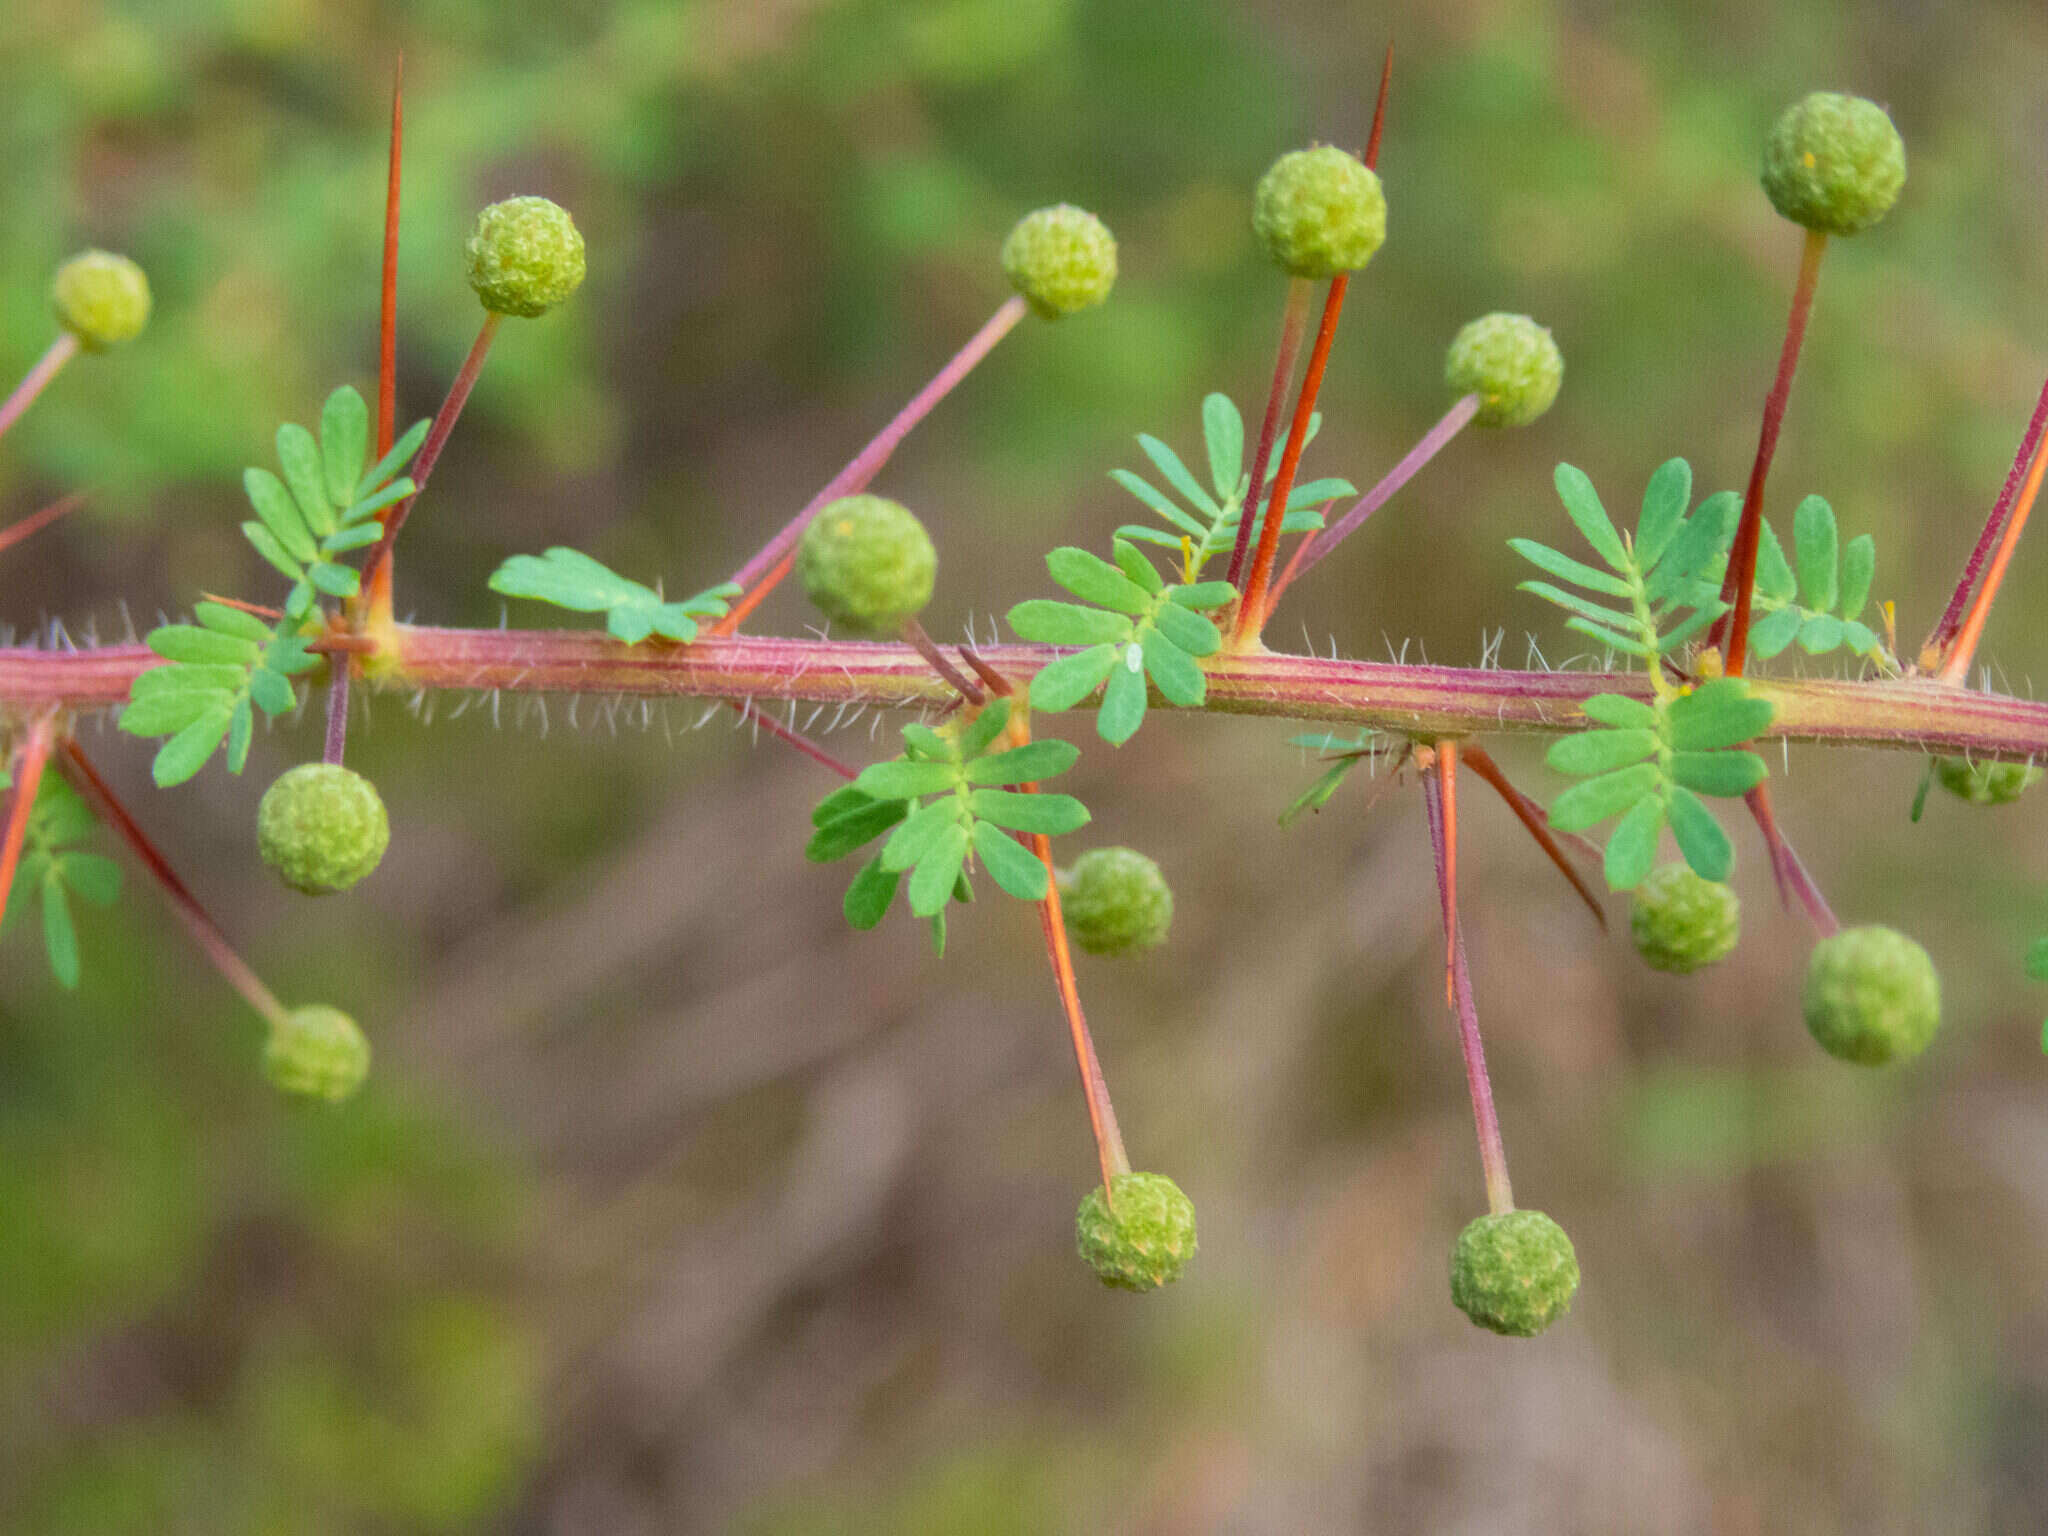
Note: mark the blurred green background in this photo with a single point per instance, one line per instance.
(672, 1205)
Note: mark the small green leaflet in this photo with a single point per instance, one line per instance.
(945, 805)
(58, 872)
(1140, 628)
(1670, 568)
(218, 672)
(1818, 603)
(1207, 524)
(1647, 764)
(570, 579)
(326, 504)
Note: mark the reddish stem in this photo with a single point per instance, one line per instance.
(261, 612)
(1493, 1157)
(1533, 819)
(1251, 613)
(47, 367)
(767, 566)
(205, 932)
(36, 522)
(1318, 545)
(430, 450)
(28, 778)
(1109, 1141)
(387, 308)
(961, 683)
(1738, 587)
(1786, 867)
(749, 601)
(337, 708)
(1951, 616)
(1293, 324)
(1957, 666)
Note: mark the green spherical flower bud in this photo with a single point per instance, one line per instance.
(316, 1052)
(101, 298)
(1987, 782)
(1680, 922)
(525, 257)
(1514, 1273)
(867, 562)
(1116, 900)
(1871, 996)
(1510, 363)
(1062, 259)
(321, 827)
(1146, 1241)
(1834, 163)
(1319, 212)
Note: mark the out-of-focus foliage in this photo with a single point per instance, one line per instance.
(673, 1206)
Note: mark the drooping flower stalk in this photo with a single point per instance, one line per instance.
(1437, 773)
(1787, 869)
(1293, 326)
(206, 933)
(1537, 822)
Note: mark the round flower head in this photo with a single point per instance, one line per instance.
(525, 257)
(1146, 1241)
(1987, 782)
(1680, 922)
(1510, 363)
(1116, 900)
(1834, 163)
(1062, 259)
(322, 827)
(1514, 1273)
(101, 298)
(316, 1052)
(1871, 996)
(867, 562)
(1319, 212)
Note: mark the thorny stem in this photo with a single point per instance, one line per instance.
(1964, 649)
(28, 778)
(1533, 819)
(1493, 1157)
(1293, 322)
(47, 367)
(1738, 587)
(767, 566)
(205, 932)
(1952, 615)
(37, 521)
(1786, 867)
(429, 455)
(1903, 714)
(1251, 612)
(1318, 545)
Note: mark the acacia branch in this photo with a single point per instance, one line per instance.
(1905, 714)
